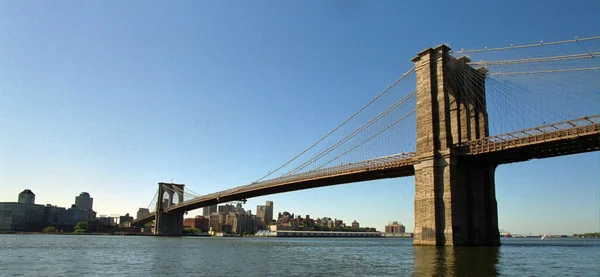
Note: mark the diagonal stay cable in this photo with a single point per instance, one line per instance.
(368, 139)
(351, 135)
(342, 124)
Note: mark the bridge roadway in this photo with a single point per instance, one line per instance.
(557, 139)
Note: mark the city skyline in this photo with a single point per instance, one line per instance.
(108, 100)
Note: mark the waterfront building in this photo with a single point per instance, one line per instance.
(216, 221)
(198, 222)
(18, 217)
(355, 224)
(106, 220)
(63, 218)
(73, 215)
(142, 212)
(256, 223)
(51, 215)
(125, 220)
(252, 223)
(326, 221)
(27, 197)
(23, 215)
(84, 201)
(395, 227)
(27, 216)
(83, 204)
(206, 211)
(237, 222)
(227, 229)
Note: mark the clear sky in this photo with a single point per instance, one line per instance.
(111, 97)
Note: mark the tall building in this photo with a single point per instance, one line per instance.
(269, 215)
(355, 224)
(27, 197)
(216, 221)
(206, 211)
(142, 212)
(237, 222)
(84, 201)
(395, 227)
(225, 209)
(265, 213)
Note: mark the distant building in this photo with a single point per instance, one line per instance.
(74, 214)
(142, 212)
(106, 220)
(269, 215)
(395, 227)
(206, 211)
(216, 221)
(17, 217)
(199, 222)
(84, 201)
(237, 222)
(125, 220)
(265, 213)
(225, 209)
(226, 228)
(25, 215)
(252, 223)
(27, 197)
(355, 224)
(51, 215)
(338, 223)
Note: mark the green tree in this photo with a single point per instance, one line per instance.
(49, 229)
(81, 227)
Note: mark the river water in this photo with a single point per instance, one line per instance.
(72, 255)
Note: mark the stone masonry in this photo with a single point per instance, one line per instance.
(168, 224)
(455, 202)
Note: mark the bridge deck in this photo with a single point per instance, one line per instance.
(399, 165)
(557, 139)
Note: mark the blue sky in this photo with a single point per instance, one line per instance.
(113, 97)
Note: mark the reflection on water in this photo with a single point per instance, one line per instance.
(458, 261)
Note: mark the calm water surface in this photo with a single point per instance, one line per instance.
(66, 255)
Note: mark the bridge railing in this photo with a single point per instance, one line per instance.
(367, 165)
(554, 131)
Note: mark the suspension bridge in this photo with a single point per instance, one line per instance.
(454, 117)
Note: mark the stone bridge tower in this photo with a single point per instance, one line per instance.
(168, 223)
(455, 199)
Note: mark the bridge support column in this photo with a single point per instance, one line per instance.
(168, 223)
(455, 202)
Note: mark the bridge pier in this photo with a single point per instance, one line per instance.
(168, 223)
(455, 202)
